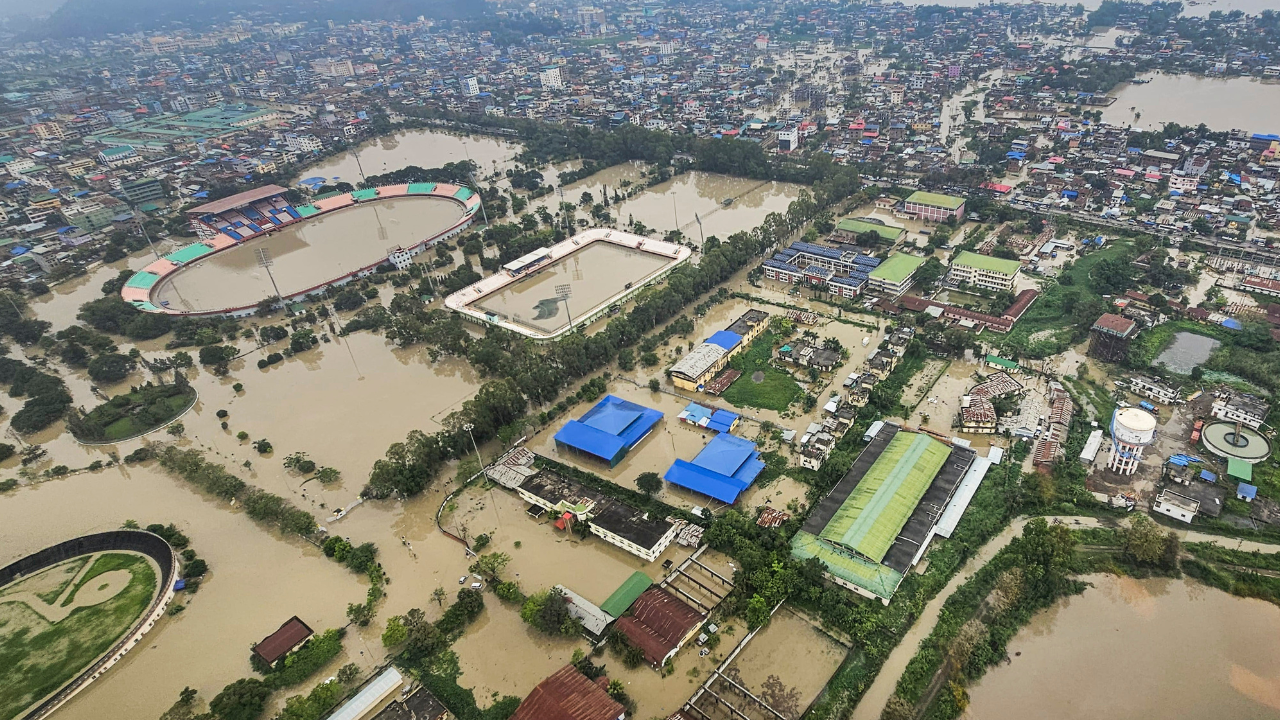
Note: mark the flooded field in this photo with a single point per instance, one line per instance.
(1187, 351)
(60, 305)
(424, 148)
(256, 582)
(594, 274)
(812, 657)
(1221, 103)
(307, 254)
(1121, 651)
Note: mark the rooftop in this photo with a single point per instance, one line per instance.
(1114, 325)
(568, 695)
(986, 262)
(896, 268)
(927, 198)
(858, 226)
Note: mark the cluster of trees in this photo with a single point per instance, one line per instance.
(549, 612)
(190, 465)
(456, 173)
(146, 407)
(47, 396)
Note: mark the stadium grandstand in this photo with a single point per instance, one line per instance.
(875, 525)
(245, 215)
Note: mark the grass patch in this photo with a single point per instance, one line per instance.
(39, 656)
(1055, 312)
(775, 392)
(123, 416)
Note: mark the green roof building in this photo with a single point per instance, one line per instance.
(895, 275)
(992, 273)
(850, 228)
(934, 207)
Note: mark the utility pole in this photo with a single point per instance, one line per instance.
(265, 262)
(564, 292)
(143, 226)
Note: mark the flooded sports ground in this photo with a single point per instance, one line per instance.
(307, 254)
(1120, 651)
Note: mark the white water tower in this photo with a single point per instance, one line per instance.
(1132, 429)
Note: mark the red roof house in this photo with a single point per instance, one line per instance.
(659, 624)
(569, 695)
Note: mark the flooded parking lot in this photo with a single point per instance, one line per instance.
(308, 253)
(1120, 652)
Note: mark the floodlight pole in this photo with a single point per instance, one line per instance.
(480, 195)
(564, 292)
(265, 262)
(469, 427)
(143, 226)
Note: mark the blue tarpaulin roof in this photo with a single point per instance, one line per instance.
(1245, 490)
(1208, 476)
(1232, 323)
(609, 429)
(724, 468)
(725, 339)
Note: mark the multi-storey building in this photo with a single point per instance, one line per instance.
(983, 271)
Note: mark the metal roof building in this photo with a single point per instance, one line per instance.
(725, 467)
(608, 430)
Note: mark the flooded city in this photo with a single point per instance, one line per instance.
(308, 254)
(1121, 651)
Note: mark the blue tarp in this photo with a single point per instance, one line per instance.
(1208, 476)
(1246, 491)
(1232, 323)
(725, 339)
(608, 430)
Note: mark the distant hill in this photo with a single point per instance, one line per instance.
(95, 18)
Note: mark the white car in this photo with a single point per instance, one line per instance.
(462, 579)
(476, 586)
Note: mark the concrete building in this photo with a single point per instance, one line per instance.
(1176, 506)
(1152, 389)
(849, 229)
(693, 371)
(1241, 407)
(1110, 337)
(895, 275)
(933, 207)
(984, 271)
(550, 78)
(470, 86)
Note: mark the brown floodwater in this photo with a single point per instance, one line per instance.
(308, 253)
(594, 274)
(811, 657)
(1221, 103)
(256, 582)
(60, 305)
(1140, 649)
(424, 148)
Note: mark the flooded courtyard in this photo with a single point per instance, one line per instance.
(1121, 651)
(307, 254)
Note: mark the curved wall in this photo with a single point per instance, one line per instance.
(139, 541)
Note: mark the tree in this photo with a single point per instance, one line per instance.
(649, 483)
(757, 612)
(654, 385)
(110, 368)
(243, 699)
(1147, 543)
(395, 633)
(359, 613)
(490, 565)
(439, 595)
(215, 354)
(349, 673)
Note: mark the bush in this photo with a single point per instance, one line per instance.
(244, 699)
(215, 354)
(142, 454)
(6, 451)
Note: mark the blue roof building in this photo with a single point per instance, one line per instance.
(725, 467)
(608, 430)
(720, 421)
(725, 339)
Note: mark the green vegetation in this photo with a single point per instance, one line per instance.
(777, 391)
(124, 416)
(297, 666)
(1066, 309)
(40, 656)
(548, 612)
(48, 398)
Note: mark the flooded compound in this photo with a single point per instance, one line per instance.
(1120, 652)
(1187, 351)
(256, 582)
(679, 203)
(1220, 103)
(424, 148)
(62, 303)
(593, 273)
(308, 254)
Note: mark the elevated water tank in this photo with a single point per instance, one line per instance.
(1133, 426)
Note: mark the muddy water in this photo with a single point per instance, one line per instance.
(60, 305)
(424, 148)
(594, 274)
(1221, 103)
(1187, 351)
(811, 657)
(308, 254)
(257, 581)
(1120, 651)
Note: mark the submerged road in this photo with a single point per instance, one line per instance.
(874, 700)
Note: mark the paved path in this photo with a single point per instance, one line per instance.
(873, 702)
